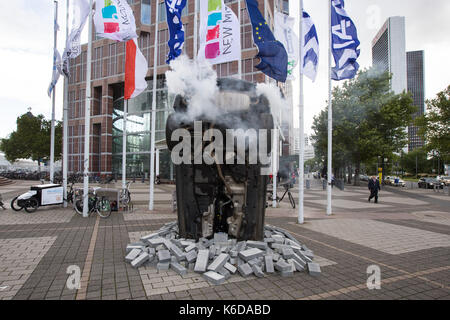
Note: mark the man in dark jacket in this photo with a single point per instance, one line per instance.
(374, 187)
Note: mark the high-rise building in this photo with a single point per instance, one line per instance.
(108, 60)
(389, 52)
(416, 86)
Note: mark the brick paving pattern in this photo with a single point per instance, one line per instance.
(407, 235)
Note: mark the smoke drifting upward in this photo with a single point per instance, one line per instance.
(277, 103)
(197, 82)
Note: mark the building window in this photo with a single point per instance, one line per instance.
(112, 62)
(146, 11)
(98, 65)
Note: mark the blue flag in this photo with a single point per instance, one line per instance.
(273, 55)
(345, 43)
(310, 47)
(174, 9)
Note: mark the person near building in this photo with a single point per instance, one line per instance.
(374, 187)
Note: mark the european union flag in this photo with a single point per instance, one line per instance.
(273, 55)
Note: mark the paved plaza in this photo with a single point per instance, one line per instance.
(407, 235)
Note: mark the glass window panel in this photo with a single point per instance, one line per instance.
(146, 12)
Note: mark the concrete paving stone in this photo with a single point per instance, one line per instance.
(245, 270)
(257, 271)
(309, 254)
(202, 261)
(136, 245)
(298, 266)
(177, 253)
(278, 238)
(267, 234)
(314, 269)
(219, 262)
(269, 240)
(291, 262)
(224, 272)
(282, 266)
(241, 246)
(250, 254)
(191, 266)
(140, 260)
(220, 238)
(276, 257)
(230, 268)
(191, 256)
(287, 253)
(155, 242)
(133, 255)
(299, 260)
(178, 268)
(269, 268)
(145, 239)
(233, 261)
(287, 274)
(253, 262)
(214, 277)
(163, 266)
(190, 247)
(257, 244)
(164, 256)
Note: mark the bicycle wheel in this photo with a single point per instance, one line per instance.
(78, 205)
(32, 205)
(104, 208)
(291, 199)
(15, 206)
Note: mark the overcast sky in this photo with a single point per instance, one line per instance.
(27, 45)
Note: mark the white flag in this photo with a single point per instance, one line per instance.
(56, 72)
(114, 20)
(284, 32)
(80, 13)
(220, 34)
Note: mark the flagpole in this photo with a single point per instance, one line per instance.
(65, 118)
(153, 125)
(52, 135)
(87, 118)
(301, 175)
(124, 145)
(195, 50)
(330, 120)
(240, 60)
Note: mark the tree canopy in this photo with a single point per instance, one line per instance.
(31, 140)
(369, 121)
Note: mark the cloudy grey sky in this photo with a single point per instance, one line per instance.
(27, 45)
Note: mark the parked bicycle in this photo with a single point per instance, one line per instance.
(287, 187)
(101, 205)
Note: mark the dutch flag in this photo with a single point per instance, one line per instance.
(135, 70)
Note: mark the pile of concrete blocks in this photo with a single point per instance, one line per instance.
(219, 258)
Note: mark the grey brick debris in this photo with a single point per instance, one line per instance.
(221, 257)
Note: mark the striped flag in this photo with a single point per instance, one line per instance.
(310, 48)
(56, 72)
(135, 70)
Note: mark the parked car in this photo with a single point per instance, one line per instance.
(388, 181)
(429, 183)
(363, 177)
(445, 181)
(397, 182)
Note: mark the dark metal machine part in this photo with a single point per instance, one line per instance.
(223, 198)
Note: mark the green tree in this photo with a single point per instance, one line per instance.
(434, 126)
(31, 140)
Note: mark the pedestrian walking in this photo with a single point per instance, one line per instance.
(374, 187)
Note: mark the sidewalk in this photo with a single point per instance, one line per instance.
(407, 235)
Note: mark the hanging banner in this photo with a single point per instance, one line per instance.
(114, 20)
(284, 32)
(220, 36)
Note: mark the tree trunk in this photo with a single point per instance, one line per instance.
(349, 179)
(357, 172)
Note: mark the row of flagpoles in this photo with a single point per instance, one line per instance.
(278, 57)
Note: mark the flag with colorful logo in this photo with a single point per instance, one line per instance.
(310, 42)
(273, 55)
(220, 36)
(174, 10)
(284, 32)
(80, 13)
(345, 42)
(135, 70)
(114, 20)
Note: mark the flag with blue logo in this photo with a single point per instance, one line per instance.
(57, 71)
(345, 43)
(310, 44)
(273, 55)
(174, 9)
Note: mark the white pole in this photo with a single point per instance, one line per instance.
(124, 145)
(195, 49)
(52, 135)
(240, 60)
(330, 121)
(66, 118)
(87, 118)
(153, 126)
(274, 165)
(157, 162)
(301, 175)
